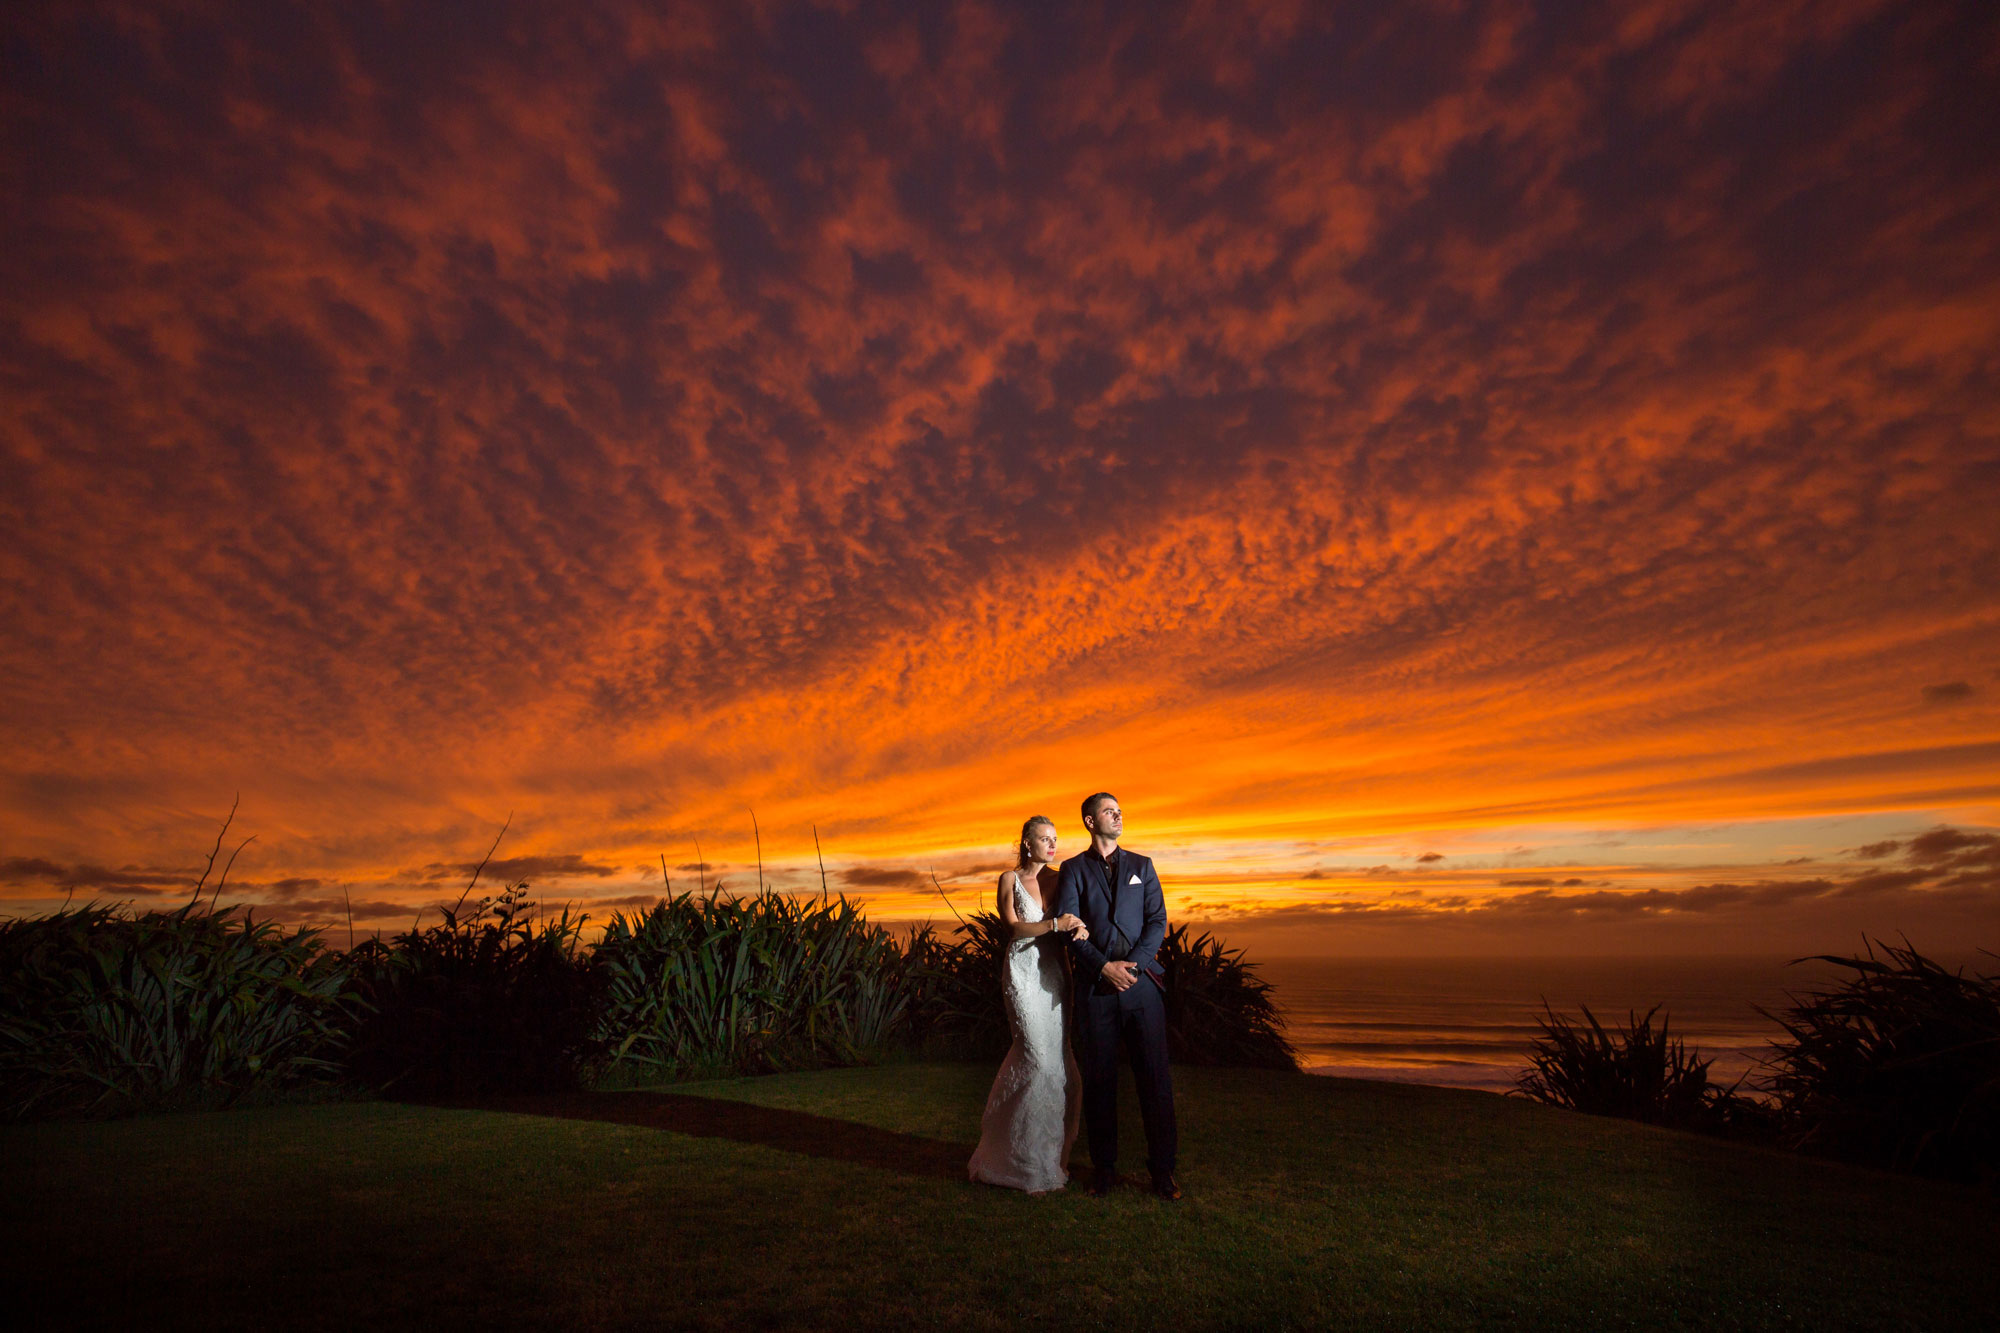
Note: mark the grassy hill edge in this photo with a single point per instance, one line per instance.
(838, 1197)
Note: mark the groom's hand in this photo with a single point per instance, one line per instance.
(1121, 974)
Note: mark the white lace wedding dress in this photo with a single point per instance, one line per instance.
(1031, 1114)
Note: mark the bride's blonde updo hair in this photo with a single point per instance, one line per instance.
(1021, 854)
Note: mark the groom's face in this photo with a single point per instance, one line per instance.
(1108, 820)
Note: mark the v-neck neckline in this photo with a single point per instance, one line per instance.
(1041, 902)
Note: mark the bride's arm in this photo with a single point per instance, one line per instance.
(1066, 922)
(1020, 929)
(1016, 927)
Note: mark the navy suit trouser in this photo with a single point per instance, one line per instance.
(1138, 1017)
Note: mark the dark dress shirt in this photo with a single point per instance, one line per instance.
(1119, 946)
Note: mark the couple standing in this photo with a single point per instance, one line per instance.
(1106, 905)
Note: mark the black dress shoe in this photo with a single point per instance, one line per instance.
(1101, 1181)
(1165, 1187)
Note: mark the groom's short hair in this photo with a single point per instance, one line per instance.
(1090, 802)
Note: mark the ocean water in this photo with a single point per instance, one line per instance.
(1467, 1022)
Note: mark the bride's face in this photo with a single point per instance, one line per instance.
(1042, 844)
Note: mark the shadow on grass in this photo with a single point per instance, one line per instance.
(744, 1122)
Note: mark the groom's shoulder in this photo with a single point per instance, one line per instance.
(1137, 858)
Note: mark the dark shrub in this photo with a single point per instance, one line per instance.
(1898, 1066)
(1638, 1073)
(1218, 1011)
(956, 1009)
(747, 985)
(103, 1011)
(497, 998)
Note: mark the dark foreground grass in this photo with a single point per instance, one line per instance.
(837, 1199)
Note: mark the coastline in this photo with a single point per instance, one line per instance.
(1468, 1021)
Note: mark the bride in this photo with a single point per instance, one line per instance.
(1031, 1114)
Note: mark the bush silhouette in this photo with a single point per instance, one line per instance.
(497, 998)
(1219, 1012)
(1897, 1066)
(957, 1010)
(1638, 1072)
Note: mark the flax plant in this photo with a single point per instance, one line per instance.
(1219, 1011)
(1897, 1066)
(956, 1009)
(498, 997)
(1639, 1073)
(104, 1011)
(747, 984)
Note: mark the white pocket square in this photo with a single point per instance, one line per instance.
(1133, 880)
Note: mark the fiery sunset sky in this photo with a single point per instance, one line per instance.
(1468, 477)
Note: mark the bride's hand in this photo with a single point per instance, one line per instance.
(1070, 923)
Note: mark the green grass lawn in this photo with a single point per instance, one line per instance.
(839, 1199)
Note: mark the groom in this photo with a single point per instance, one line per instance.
(1119, 993)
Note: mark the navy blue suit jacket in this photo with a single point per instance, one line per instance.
(1134, 909)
